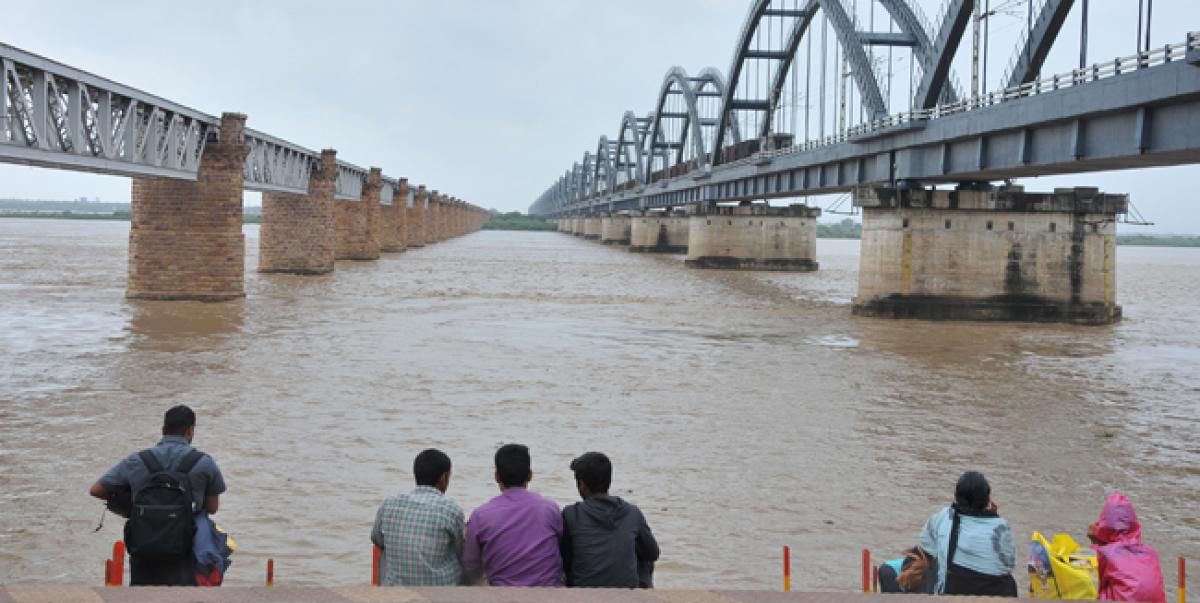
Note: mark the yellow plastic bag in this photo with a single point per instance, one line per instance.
(1061, 569)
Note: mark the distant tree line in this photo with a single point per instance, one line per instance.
(515, 220)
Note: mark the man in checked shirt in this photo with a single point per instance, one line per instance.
(421, 532)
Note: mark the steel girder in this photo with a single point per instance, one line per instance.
(52, 115)
(56, 116)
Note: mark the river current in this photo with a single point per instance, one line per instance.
(743, 411)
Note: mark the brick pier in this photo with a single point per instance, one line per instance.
(185, 238)
(297, 234)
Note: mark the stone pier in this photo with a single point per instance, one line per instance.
(297, 235)
(393, 221)
(185, 237)
(592, 226)
(753, 237)
(989, 255)
(577, 225)
(659, 232)
(416, 218)
(615, 229)
(433, 215)
(357, 222)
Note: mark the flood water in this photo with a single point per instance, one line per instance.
(743, 411)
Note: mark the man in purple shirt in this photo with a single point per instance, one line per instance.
(513, 538)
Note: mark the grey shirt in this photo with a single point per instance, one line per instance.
(131, 472)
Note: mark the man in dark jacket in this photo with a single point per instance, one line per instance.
(606, 542)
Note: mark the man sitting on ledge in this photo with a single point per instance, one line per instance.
(421, 532)
(606, 541)
(513, 538)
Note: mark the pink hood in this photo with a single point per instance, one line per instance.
(1118, 523)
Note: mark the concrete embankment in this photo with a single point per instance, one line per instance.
(366, 594)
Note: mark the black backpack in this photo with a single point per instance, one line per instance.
(161, 521)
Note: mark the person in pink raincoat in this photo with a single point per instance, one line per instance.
(1129, 569)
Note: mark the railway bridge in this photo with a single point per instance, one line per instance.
(810, 105)
(189, 171)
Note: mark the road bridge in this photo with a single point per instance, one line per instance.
(189, 171)
(697, 172)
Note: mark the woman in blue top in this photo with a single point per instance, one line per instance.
(973, 545)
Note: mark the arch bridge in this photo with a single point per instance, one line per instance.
(842, 96)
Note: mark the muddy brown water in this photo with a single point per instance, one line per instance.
(743, 411)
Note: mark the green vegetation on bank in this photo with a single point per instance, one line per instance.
(846, 229)
(515, 220)
(1159, 240)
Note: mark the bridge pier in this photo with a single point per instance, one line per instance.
(416, 218)
(394, 220)
(659, 232)
(185, 237)
(577, 223)
(357, 222)
(615, 229)
(753, 237)
(297, 235)
(592, 225)
(433, 215)
(989, 255)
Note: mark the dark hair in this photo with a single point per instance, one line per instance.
(177, 420)
(512, 464)
(972, 492)
(429, 466)
(594, 470)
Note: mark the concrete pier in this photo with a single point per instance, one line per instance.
(615, 229)
(659, 232)
(592, 226)
(297, 235)
(577, 225)
(753, 237)
(185, 237)
(989, 255)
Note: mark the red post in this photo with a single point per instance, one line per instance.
(787, 569)
(874, 579)
(375, 555)
(118, 563)
(108, 572)
(1182, 581)
(866, 570)
(270, 572)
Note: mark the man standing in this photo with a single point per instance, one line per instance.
(421, 532)
(513, 538)
(606, 542)
(169, 563)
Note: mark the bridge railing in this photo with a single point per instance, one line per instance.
(52, 114)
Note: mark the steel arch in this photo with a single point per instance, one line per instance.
(604, 159)
(676, 79)
(631, 134)
(848, 38)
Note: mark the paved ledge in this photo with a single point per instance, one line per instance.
(366, 594)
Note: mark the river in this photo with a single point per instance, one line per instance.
(743, 411)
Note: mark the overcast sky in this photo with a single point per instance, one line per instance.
(487, 100)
